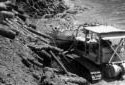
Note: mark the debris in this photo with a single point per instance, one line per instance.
(59, 62)
(27, 51)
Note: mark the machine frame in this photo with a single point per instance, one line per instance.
(97, 34)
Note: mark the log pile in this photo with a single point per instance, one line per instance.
(40, 8)
(43, 46)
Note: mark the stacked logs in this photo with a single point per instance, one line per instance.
(37, 42)
(39, 8)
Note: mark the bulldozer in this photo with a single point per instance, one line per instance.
(102, 51)
(98, 50)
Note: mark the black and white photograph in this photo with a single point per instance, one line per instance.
(62, 42)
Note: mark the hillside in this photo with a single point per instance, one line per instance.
(29, 54)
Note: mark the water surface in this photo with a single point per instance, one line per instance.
(112, 10)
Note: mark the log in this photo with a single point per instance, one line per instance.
(34, 62)
(44, 47)
(46, 53)
(39, 34)
(59, 62)
(7, 33)
(6, 6)
(78, 80)
(7, 2)
(7, 14)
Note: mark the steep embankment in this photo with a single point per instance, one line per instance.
(28, 55)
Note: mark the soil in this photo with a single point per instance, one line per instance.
(26, 50)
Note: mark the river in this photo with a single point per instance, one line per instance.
(113, 10)
(110, 11)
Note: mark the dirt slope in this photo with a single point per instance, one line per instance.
(26, 54)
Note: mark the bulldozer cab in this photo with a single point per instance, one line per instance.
(104, 44)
